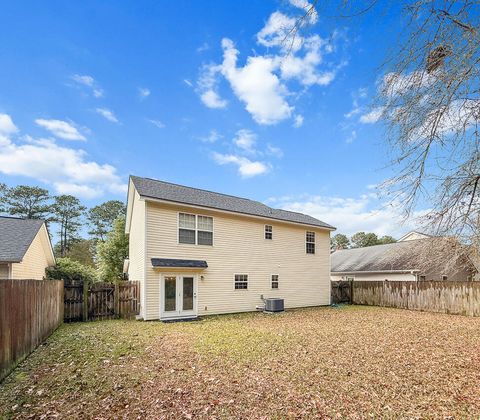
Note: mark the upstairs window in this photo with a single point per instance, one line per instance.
(241, 281)
(186, 228)
(310, 242)
(444, 278)
(274, 281)
(205, 230)
(195, 230)
(268, 232)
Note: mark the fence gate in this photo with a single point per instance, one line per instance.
(73, 301)
(97, 301)
(342, 291)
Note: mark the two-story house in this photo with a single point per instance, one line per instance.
(198, 252)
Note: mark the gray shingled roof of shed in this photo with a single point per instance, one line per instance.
(186, 195)
(16, 235)
(378, 258)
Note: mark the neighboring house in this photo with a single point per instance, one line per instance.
(25, 249)
(197, 252)
(415, 256)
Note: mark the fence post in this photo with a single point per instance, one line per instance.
(351, 292)
(85, 300)
(116, 300)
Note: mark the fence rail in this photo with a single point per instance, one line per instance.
(30, 310)
(451, 297)
(97, 301)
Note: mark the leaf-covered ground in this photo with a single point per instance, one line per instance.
(352, 362)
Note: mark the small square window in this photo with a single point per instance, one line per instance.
(268, 232)
(421, 278)
(241, 281)
(444, 278)
(274, 281)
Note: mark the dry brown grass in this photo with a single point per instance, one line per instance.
(352, 362)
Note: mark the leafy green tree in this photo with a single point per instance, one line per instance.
(67, 212)
(81, 250)
(387, 240)
(101, 218)
(68, 269)
(340, 241)
(27, 202)
(3, 189)
(362, 239)
(112, 252)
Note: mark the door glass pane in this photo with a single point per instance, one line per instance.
(188, 293)
(170, 293)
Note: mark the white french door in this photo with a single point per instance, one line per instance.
(178, 296)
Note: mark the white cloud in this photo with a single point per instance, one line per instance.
(213, 137)
(245, 140)
(6, 125)
(274, 151)
(350, 215)
(246, 167)
(256, 85)
(61, 129)
(306, 7)
(373, 116)
(84, 80)
(276, 32)
(203, 47)
(90, 82)
(207, 86)
(157, 123)
(212, 100)
(298, 121)
(143, 92)
(261, 83)
(352, 137)
(108, 114)
(67, 170)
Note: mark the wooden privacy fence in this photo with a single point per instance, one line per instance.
(451, 297)
(87, 302)
(30, 310)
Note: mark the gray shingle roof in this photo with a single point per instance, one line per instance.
(16, 235)
(168, 262)
(180, 194)
(388, 257)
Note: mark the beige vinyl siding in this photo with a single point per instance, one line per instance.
(4, 271)
(136, 253)
(240, 247)
(36, 259)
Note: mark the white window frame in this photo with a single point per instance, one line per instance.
(196, 228)
(265, 232)
(271, 281)
(309, 242)
(234, 282)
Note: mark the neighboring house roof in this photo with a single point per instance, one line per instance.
(431, 255)
(166, 191)
(377, 258)
(414, 235)
(173, 263)
(16, 235)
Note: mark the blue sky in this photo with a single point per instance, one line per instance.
(201, 94)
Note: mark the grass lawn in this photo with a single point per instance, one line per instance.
(329, 362)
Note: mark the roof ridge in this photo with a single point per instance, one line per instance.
(219, 193)
(198, 189)
(19, 218)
